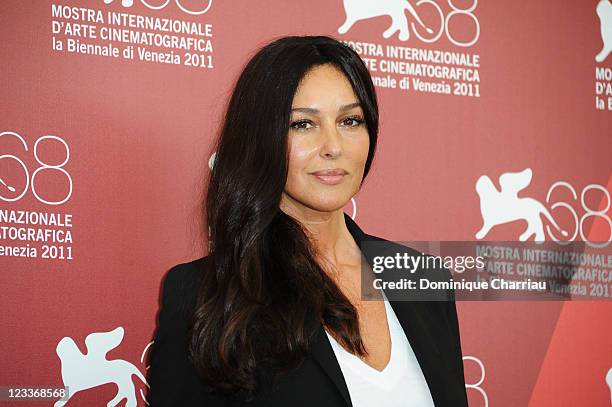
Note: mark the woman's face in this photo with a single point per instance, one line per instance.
(327, 133)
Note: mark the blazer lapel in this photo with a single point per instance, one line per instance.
(413, 319)
(323, 353)
(414, 324)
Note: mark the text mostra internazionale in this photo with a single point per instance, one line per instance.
(82, 25)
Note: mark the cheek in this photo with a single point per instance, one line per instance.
(300, 154)
(358, 151)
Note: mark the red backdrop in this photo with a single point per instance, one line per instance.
(102, 157)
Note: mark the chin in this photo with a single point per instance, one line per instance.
(325, 204)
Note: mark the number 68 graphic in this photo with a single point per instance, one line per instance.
(588, 213)
(164, 3)
(43, 167)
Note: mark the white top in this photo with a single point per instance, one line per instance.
(400, 383)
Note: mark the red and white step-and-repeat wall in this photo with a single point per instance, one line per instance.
(109, 109)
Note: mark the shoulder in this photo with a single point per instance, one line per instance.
(183, 279)
(184, 273)
(179, 291)
(172, 378)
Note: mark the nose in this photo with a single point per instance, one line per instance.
(331, 144)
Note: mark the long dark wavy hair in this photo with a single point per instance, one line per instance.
(264, 294)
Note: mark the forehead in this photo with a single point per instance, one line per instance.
(324, 86)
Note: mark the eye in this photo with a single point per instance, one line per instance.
(353, 121)
(300, 125)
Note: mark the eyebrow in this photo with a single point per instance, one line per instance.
(315, 111)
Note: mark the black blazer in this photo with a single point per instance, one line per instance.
(430, 326)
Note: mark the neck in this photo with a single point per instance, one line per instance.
(333, 243)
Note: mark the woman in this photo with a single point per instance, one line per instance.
(273, 315)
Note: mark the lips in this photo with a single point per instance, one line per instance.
(330, 172)
(330, 176)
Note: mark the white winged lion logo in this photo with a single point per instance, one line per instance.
(503, 206)
(364, 9)
(604, 12)
(609, 382)
(85, 371)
